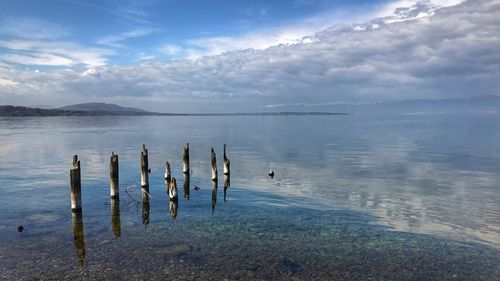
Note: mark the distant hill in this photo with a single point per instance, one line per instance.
(475, 104)
(84, 109)
(97, 106)
(13, 111)
(478, 104)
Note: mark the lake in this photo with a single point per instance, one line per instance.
(396, 197)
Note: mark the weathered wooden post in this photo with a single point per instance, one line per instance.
(172, 190)
(145, 170)
(113, 176)
(214, 165)
(227, 163)
(168, 174)
(115, 218)
(227, 183)
(214, 195)
(186, 186)
(185, 159)
(76, 188)
(144, 167)
(145, 205)
(78, 237)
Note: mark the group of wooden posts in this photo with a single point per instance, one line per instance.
(75, 175)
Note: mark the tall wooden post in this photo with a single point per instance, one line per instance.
(168, 174)
(145, 205)
(227, 163)
(144, 167)
(78, 237)
(185, 159)
(214, 195)
(113, 177)
(214, 165)
(115, 218)
(76, 188)
(186, 186)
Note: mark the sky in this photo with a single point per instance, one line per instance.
(246, 56)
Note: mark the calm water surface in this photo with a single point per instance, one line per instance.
(353, 198)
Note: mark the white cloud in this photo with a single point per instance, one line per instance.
(300, 31)
(30, 28)
(7, 83)
(115, 41)
(36, 59)
(171, 49)
(54, 53)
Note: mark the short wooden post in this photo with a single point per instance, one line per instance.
(113, 176)
(115, 218)
(227, 163)
(78, 237)
(214, 165)
(144, 167)
(76, 188)
(172, 189)
(185, 159)
(186, 186)
(168, 174)
(214, 195)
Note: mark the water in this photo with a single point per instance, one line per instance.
(354, 197)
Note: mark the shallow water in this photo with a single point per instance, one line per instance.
(354, 197)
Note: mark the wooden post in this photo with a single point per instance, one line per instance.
(145, 205)
(227, 163)
(185, 159)
(78, 237)
(113, 176)
(214, 166)
(186, 186)
(76, 188)
(172, 190)
(214, 195)
(144, 167)
(168, 174)
(115, 218)
(227, 183)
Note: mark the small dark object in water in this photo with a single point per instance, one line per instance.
(20, 228)
(196, 187)
(271, 173)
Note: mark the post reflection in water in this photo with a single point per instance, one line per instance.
(115, 218)
(79, 241)
(145, 205)
(227, 183)
(186, 186)
(172, 208)
(214, 195)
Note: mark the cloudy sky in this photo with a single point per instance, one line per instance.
(246, 56)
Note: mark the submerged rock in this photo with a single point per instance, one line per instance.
(285, 267)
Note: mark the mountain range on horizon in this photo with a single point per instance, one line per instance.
(485, 103)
